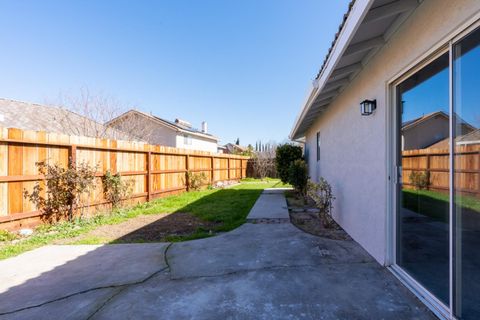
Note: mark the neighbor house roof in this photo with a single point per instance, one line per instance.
(37, 117)
(179, 127)
(366, 27)
(412, 123)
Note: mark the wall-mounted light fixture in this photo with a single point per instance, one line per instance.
(367, 107)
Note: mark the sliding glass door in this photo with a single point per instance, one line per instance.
(437, 236)
(466, 108)
(423, 213)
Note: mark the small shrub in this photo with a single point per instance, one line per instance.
(64, 187)
(420, 180)
(115, 189)
(321, 193)
(7, 236)
(298, 176)
(284, 156)
(196, 181)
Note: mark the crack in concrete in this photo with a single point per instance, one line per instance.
(109, 300)
(114, 286)
(243, 271)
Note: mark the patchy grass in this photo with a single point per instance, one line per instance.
(227, 208)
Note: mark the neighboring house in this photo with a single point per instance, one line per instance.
(402, 59)
(37, 117)
(155, 130)
(427, 130)
(221, 149)
(231, 148)
(471, 138)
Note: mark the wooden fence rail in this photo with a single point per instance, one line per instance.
(154, 170)
(435, 162)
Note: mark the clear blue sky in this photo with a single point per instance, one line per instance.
(243, 66)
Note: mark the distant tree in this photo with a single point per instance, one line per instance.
(85, 114)
(237, 142)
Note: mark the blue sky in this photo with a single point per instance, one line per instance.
(243, 66)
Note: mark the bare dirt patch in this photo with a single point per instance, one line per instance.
(305, 216)
(147, 228)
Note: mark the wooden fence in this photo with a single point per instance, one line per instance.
(154, 170)
(435, 162)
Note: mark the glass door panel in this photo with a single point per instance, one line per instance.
(423, 192)
(466, 104)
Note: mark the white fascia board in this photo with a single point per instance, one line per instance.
(354, 20)
(198, 134)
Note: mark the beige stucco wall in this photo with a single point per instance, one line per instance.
(197, 143)
(354, 148)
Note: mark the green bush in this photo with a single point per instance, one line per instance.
(115, 189)
(420, 180)
(7, 236)
(298, 176)
(285, 155)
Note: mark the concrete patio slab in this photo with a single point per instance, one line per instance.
(258, 271)
(257, 246)
(343, 291)
(53, 272)
(270, 205)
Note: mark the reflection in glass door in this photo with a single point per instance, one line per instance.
(466, 108)
(438, 205)
(423, 194)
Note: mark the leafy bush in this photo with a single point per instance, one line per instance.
(420, 180)
(321, 193)
(196, 181)
(298, 176)
(64, 187)
(285, 155)
(7, 236)
(115, 189)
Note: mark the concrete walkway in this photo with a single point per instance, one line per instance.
(265, 269)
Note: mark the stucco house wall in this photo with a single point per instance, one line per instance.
(353, 155)
(196, 143)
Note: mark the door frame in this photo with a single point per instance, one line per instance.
(392, 140)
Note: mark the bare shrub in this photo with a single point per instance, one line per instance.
(321, 193)
(64, 187)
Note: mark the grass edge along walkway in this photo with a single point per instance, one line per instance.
(228, 206)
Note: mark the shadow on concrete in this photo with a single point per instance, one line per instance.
(52, 275)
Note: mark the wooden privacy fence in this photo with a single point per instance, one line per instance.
(435, 162)
(153, 170)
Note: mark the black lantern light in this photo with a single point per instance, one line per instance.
(367, 107)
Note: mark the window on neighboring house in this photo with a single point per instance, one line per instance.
(318, 146)
(187, 140)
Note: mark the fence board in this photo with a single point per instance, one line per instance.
(436, 163)
(168, 168)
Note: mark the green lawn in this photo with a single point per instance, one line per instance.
(435, 204)
(228, 207)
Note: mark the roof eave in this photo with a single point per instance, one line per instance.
(353, 21)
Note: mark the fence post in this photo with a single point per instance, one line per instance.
(478, 174)
(187, 182)
(149, 176)
(228, 168)
(427, 171)
(212, 164)
(72, 163)
(72, 156)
